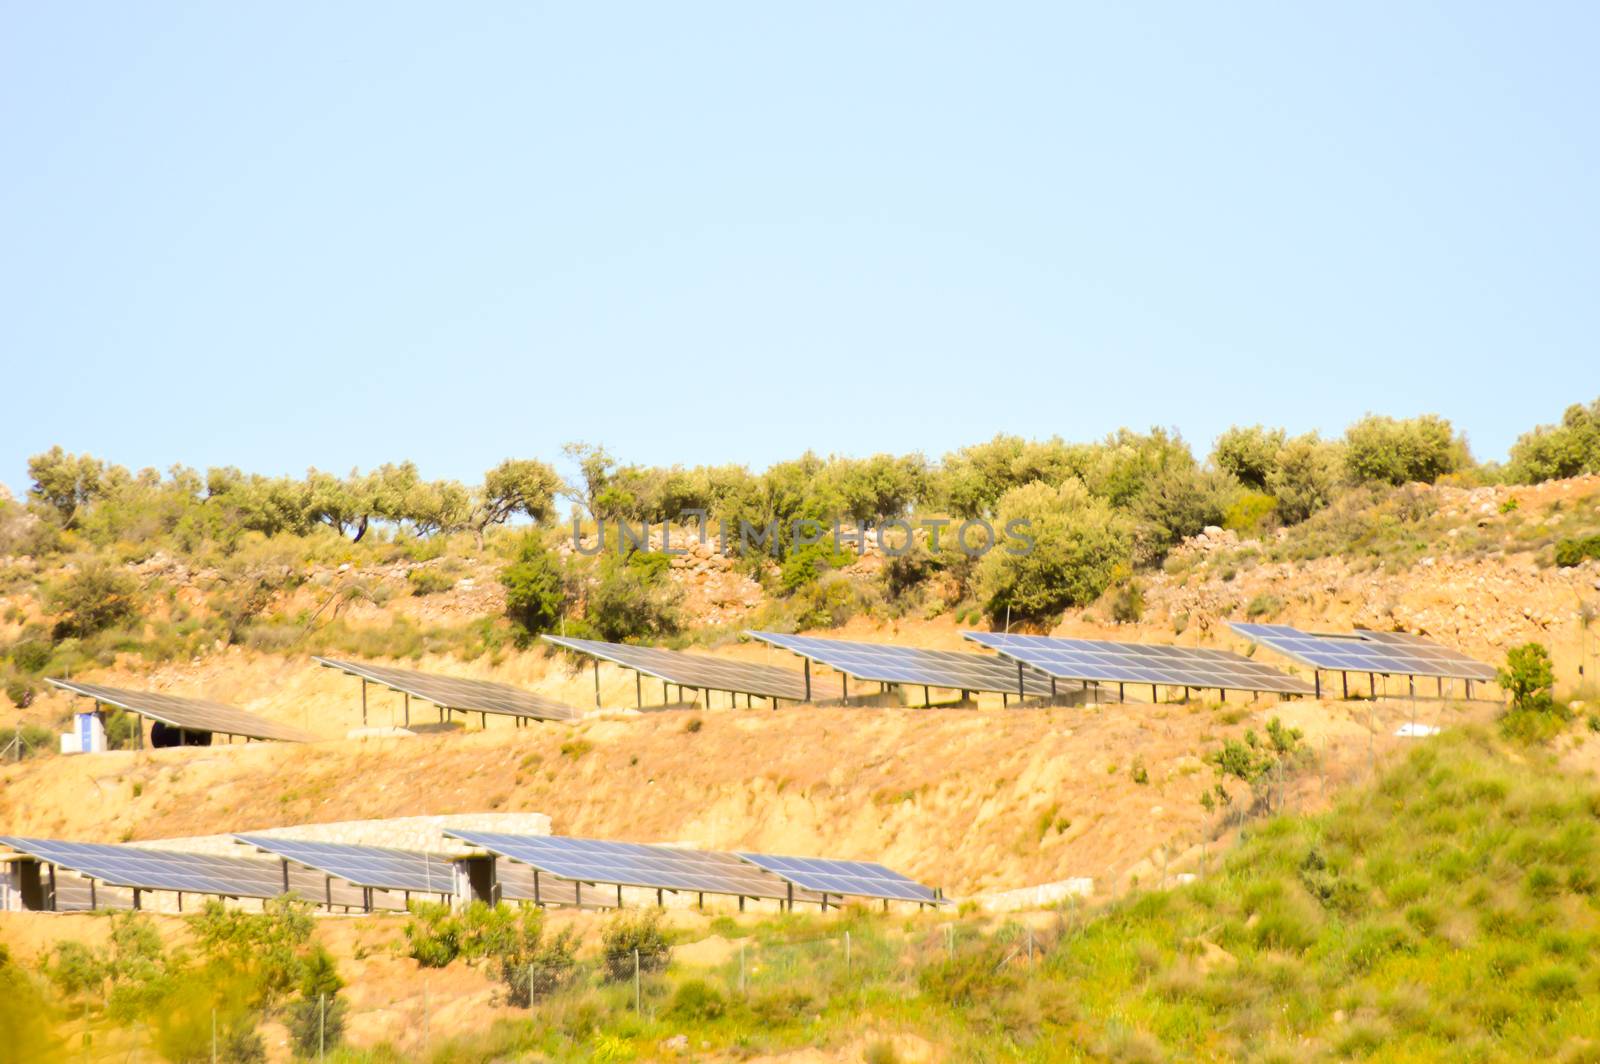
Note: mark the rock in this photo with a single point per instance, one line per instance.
(678, 1043)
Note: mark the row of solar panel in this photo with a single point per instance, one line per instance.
(573, 860)
(1024, 664)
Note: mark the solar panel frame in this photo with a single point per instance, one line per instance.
(378, 867)
(1366, 650)
(458, 693)
(860, 879)
(630, 864)
(140, 868)
(698, 671)
(190, 714)
(1102, 661)
(885, 663)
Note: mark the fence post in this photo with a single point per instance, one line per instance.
(530, 984)
(1030, 945)
(322, 1025)
(847, 965)
(637, 1010)
(743, 987)
(950, 940)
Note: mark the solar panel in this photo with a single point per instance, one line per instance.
(192, 714)
(861, 879)
(698, 671)
(631, 864)
(1389, 653)
(365, 866)
(147, 869)
(452, 692)
(951, 669)
(1102, 661)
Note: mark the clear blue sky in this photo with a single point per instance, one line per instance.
(283, 235)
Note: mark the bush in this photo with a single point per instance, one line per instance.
(30, 655)
(629, 932)
(1392, 451)
(1305, 477)
(1249, 512)
(1563, 450)
(93, 599)
(632, 598)
(433, 936)
(1127, 602)
(1077, 544)
(1250, 454)
(430, 581)
(696, 1001)
(1528, 677)
(20, 692)
(537, 592)
(1570, 552)
(526, 962)
(316, 1019)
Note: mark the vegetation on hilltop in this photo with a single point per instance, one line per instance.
(82, 584)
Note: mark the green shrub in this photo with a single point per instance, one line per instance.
(1528, 677)
(629, 932)
(1305, 477)
(1393, 451)
(93, 599)
(1575, 551)
(30, 655)
(527, 962)
(1563, 450)
(429, 581)
(20, 692)
(433, 935)
(317, 1017)
(1077, 544)
(537, 590)
(696, 1001)
(632, 598)
(1127, 602)
(1249, 512)
(1263, 605)
(1249, 454)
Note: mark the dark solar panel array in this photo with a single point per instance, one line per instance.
(193, 714)
(751, 875)
(950, 669)
(1389, 653)
(862, 879)
(630, 864)
(365, 866)
(451, 692)
(699, 671)
(132, 866)
(1107, 662)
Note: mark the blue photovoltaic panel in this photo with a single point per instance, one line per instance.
(699, 671)
(193, 714)
(860, 879)
(365, 866)
(1107, 662)
(1389, 653)
(132, 866)
(946, 669)
(455, 693)
(630, 864)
